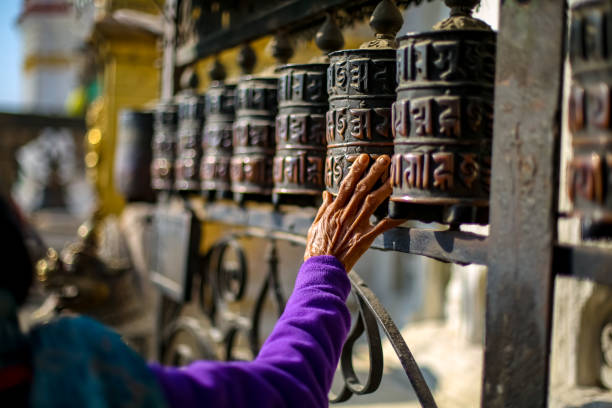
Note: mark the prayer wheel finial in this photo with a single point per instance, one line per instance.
(217, 71)
(280, 48)
(246, 59)
(461, 17)
(386, 21)
(329, 37)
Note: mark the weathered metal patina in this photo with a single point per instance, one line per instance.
(443, 120)
(133, 155)
(253, 136)
(589, 181)
(164, 146)
(189, 134)
(300, 124)
(361, 86)
(217, 137)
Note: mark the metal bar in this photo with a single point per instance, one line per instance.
(530, 52)
(404, 354)
(584, 262)
(448, 246)
(293, 16)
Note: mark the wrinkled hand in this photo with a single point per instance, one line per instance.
(342, 226)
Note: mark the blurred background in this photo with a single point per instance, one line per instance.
(69, 67)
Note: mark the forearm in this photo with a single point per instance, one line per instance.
(296, 363)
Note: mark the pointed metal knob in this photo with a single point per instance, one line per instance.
(280, 48)
(386, 19)
(217, 71)
(246, 59)
(329, 37)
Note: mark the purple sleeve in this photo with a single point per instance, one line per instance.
(296, 364)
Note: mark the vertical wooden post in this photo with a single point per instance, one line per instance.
(530, 53)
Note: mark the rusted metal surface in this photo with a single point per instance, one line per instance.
(164, 146)
(530, 51)
(132, 171)
(590, 169)
(443, 123)
(253, 137)
(300, 133)
(217, 139)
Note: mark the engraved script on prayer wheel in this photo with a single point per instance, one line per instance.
(361, 88)
(189, 134)
(253, 137)
(164, 145)
(589, 181)
(217, 138)
(443, 121)
(300, 124)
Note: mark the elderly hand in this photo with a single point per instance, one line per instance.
(342, 226)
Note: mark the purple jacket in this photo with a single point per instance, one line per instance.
(296, 364)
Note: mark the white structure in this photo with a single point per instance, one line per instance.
(53, 31)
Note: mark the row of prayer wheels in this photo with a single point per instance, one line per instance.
(424, 99)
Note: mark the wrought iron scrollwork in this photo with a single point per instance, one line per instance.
(224, 279)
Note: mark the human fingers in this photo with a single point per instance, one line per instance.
(372, 201)
(327, 200)
(366, 184)
(348, 184)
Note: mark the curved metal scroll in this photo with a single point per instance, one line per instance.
(223, 280)
(370, 312)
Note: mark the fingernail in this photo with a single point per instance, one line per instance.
(383, 159)
(364, 158)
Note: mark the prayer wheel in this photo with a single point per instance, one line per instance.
(589, 175)
(253, 134)
(443, 121)
(132, 171)
(189, 134)
(300, 124)
(164, 145)
(217, 137)
(361, 87)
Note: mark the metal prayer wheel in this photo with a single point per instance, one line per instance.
(589, 176)
(132, 171)
(217, 137)
(300, 124)
(189, 134)
(443, 120)
(164, 145)
(253, 137)
(361, 88)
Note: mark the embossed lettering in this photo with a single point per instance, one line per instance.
(421, 60)
(444, 173)
(449, 120)
(468, 169)
(421, 116)
(399, 118)
(359, 75)
(448, 59)
(360, 122)
(382, 127)
(297, 128)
